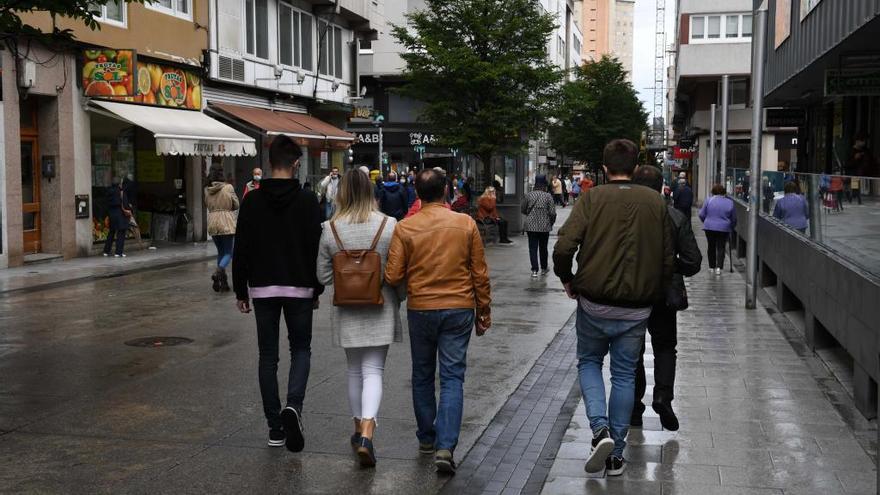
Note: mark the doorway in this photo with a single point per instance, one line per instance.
(30, 195)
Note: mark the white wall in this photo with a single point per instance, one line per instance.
(707, 6)
(714, 59)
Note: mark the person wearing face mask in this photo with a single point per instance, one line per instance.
(328, 188)
(253, 184)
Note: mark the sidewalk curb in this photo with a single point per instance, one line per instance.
(91, 278)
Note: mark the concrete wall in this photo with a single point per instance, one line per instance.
(833, 297)
(714, 59)
(4, 235)
(709, 6)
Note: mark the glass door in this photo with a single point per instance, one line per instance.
(30, 195)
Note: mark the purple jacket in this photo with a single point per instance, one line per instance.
(718, 214)
(793, 210)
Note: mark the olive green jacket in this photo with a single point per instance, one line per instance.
(624, 240)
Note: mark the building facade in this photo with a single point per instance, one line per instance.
(608, 30)
(713, 39)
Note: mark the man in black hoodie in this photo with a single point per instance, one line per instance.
(276, 248)
(392, 198)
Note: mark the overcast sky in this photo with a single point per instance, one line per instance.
(643, 46)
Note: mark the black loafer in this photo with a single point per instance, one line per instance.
(667, 416)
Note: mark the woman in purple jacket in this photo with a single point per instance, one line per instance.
(792, 209)
(719, 219)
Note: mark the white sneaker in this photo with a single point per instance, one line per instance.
(718, 271)
(119, 255)
(534, 274)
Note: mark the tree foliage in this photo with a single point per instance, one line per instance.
(596, 107)
(11, 24)
(481, 67)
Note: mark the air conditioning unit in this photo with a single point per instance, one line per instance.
(230, 68)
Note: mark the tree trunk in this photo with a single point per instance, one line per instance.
(488, 176)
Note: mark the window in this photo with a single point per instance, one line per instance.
(294, 47)
(111, 13)
(739, 93)
(366, 47)
(576, 45)
(257, 25)
(721, 28)
(330, 52)
(179, 8)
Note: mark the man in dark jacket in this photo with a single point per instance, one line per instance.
(392, 198)
(661, 323)
(623, 238)
(276, 251)
(683, 200)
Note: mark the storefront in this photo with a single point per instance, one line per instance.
(404, 150)
(324, 145)
(154, 140)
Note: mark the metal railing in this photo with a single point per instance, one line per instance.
(839, 212)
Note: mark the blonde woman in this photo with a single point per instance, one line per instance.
(364, 332)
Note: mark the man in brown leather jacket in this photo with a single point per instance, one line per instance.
(439, 255)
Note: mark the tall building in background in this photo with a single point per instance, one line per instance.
(608, 30)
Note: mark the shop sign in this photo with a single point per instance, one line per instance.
(852, 82)
(785, 142)
(118, 75)
(680, 153)
(366, 138)
(421, 138)
(779, 118)
(362, 113)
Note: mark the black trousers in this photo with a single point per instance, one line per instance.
(119, 234)
(502, 229)
(298, 318)
(538, 245)
(717, 248)
(664, 338)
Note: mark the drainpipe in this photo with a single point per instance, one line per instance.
(725, 120)
(759, 56)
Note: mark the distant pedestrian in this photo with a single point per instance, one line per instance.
(836, 188)
(556, 187)
(365, 332)
(769, 195)
(410, 189)
(683, 200)
(222, 205)
(575, 189)
(392, 197)
(487, 211)
(276, 252)
(586, 184)
(119, 216)
(719, 220)
(624, 241)
(540, 212)
(792, 209)
(662, 323)
(254, 183)
(566, 189)
(327, 188)
(439, 255)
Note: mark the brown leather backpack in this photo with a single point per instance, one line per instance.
(357, 275)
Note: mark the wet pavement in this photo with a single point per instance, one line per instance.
(760, 414)
(81, 412)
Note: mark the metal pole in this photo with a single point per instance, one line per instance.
(712, 171)
(725, 115)
(759, 56)
(381, 161)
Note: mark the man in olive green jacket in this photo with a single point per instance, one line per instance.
(623, 238)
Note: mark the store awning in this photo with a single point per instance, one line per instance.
(295, 125)
(181, 132)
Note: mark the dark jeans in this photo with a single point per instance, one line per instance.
(298, 318)
(120, 240)
(664, 338)
(502, 229)
(684, 211)
(717, 246)
(538, 244)
(855, 194)
(559, 199)
(224, 244)
(442, 334)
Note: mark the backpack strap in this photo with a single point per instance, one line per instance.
(378, 234)
(336, 236)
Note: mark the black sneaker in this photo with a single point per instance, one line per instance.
(635, 419)
(614, 466)
(276, 437)
(602, 447)
(545, 271)
(293, 428)
(667, 416)
(444, 462)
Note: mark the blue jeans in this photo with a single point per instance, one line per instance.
(443, 333)
(224, 249)
(624, 338)
(329, 209)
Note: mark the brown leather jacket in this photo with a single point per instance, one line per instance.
(439, 255)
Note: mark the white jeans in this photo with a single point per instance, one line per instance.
(365, 368)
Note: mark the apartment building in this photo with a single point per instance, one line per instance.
(608, 30)
(713, 39)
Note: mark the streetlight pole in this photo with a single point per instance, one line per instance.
(725, 116)
(712, 171)
(759, 56)
(378, 120)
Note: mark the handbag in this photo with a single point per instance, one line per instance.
(357, 275)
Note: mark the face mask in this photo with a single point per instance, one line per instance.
(258, 178)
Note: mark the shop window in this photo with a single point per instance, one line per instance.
(257, 27)
(330, 53)
(177, 8)
(113, 12)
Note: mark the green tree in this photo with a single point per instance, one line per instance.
(481, 67)
(597, 106)
(11, 25)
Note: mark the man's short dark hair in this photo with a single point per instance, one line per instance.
(430, 186)
(649, 176)
(283, 152)
(620, 157)
(790, 187)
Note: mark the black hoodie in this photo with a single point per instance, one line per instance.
(276, 238)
